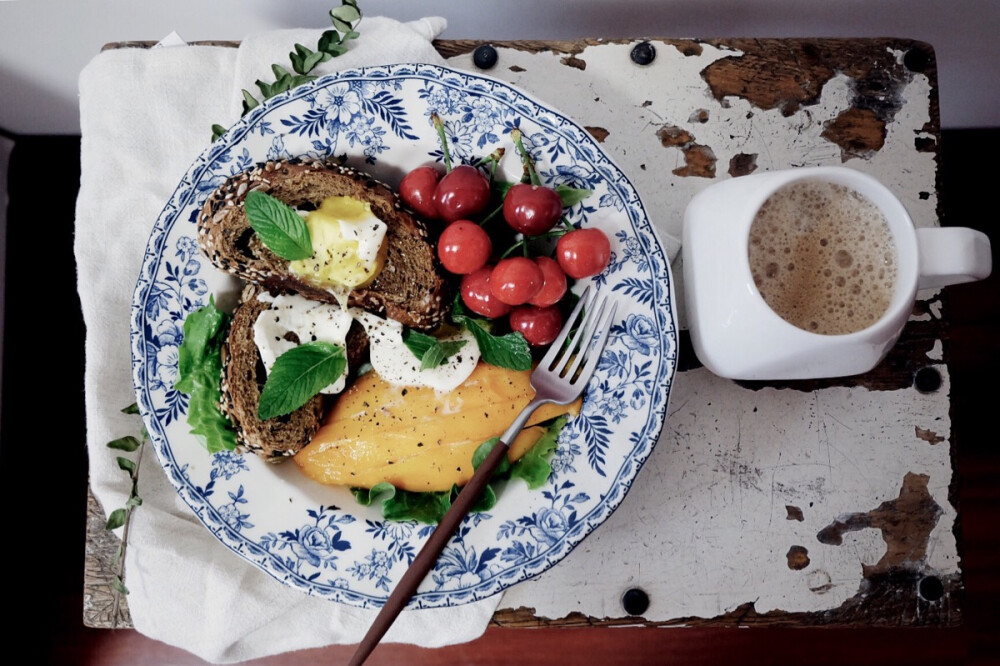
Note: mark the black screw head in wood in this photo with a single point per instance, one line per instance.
(635, 601)
(485, 56)
(643, 53)
(916, 59)
(930, 588)
(927, 379)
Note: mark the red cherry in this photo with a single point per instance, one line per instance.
(461, 193)
(583, 252)
(553, 283)
(478, 297)
(539, 326)
(531, 209)
(516, 280)
(464, 247)
(417, 190)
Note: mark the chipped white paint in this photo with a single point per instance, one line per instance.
(705, 528)
(937, 351)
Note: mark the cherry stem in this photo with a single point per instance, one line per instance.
(526, 240)
(529, 165)
(521, 243)
(439, 126)
(493, 159)
(489, 217)
(566, 223)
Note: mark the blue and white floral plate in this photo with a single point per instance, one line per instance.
(317, 538)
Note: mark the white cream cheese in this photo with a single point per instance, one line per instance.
(291, 320)
(396, 364)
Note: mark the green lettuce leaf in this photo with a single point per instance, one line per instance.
(200, 368)
(533, 467)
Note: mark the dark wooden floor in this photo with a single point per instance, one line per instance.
(43, 468)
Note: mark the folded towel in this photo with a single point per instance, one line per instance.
(145, 115)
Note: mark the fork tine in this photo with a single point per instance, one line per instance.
(597, 349)
(557, 345)
(590, 350)
(584, 335)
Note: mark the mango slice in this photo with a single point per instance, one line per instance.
(418, 439)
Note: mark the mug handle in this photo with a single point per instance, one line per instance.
(952, 255)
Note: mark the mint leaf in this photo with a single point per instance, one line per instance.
(280, 228)
(431, 351)
(131, 409)
(509, 351)
(506, 351)
(571, 195)
(200, 368)
(298, 375)
(534, 466)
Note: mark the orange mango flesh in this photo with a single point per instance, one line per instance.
(418, 439)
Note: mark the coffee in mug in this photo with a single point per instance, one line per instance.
(810, 272)
(823, 257)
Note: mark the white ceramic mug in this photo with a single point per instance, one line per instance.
(736, 334)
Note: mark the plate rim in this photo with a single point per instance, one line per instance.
(264, 560)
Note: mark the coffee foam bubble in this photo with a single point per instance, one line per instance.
(823, 257)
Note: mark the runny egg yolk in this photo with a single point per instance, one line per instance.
(349, 244)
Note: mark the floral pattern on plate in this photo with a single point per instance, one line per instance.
(317, 538)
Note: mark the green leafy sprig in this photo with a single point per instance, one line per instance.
(122, 517)
(332, 43)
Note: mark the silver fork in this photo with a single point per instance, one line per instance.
(560, 377)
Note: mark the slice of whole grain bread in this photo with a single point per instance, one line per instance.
(243, 377)
(411, 288)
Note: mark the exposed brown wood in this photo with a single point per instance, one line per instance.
(858, 132)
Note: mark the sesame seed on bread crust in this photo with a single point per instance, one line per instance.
(411, 288)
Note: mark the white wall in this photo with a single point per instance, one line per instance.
(45, 43)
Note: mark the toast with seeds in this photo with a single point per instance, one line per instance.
(411, 287)
(243, 378)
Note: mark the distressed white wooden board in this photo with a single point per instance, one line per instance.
(705, 528)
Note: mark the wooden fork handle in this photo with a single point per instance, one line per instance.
(428, 555)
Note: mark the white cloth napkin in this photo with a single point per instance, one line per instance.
(145, 115)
